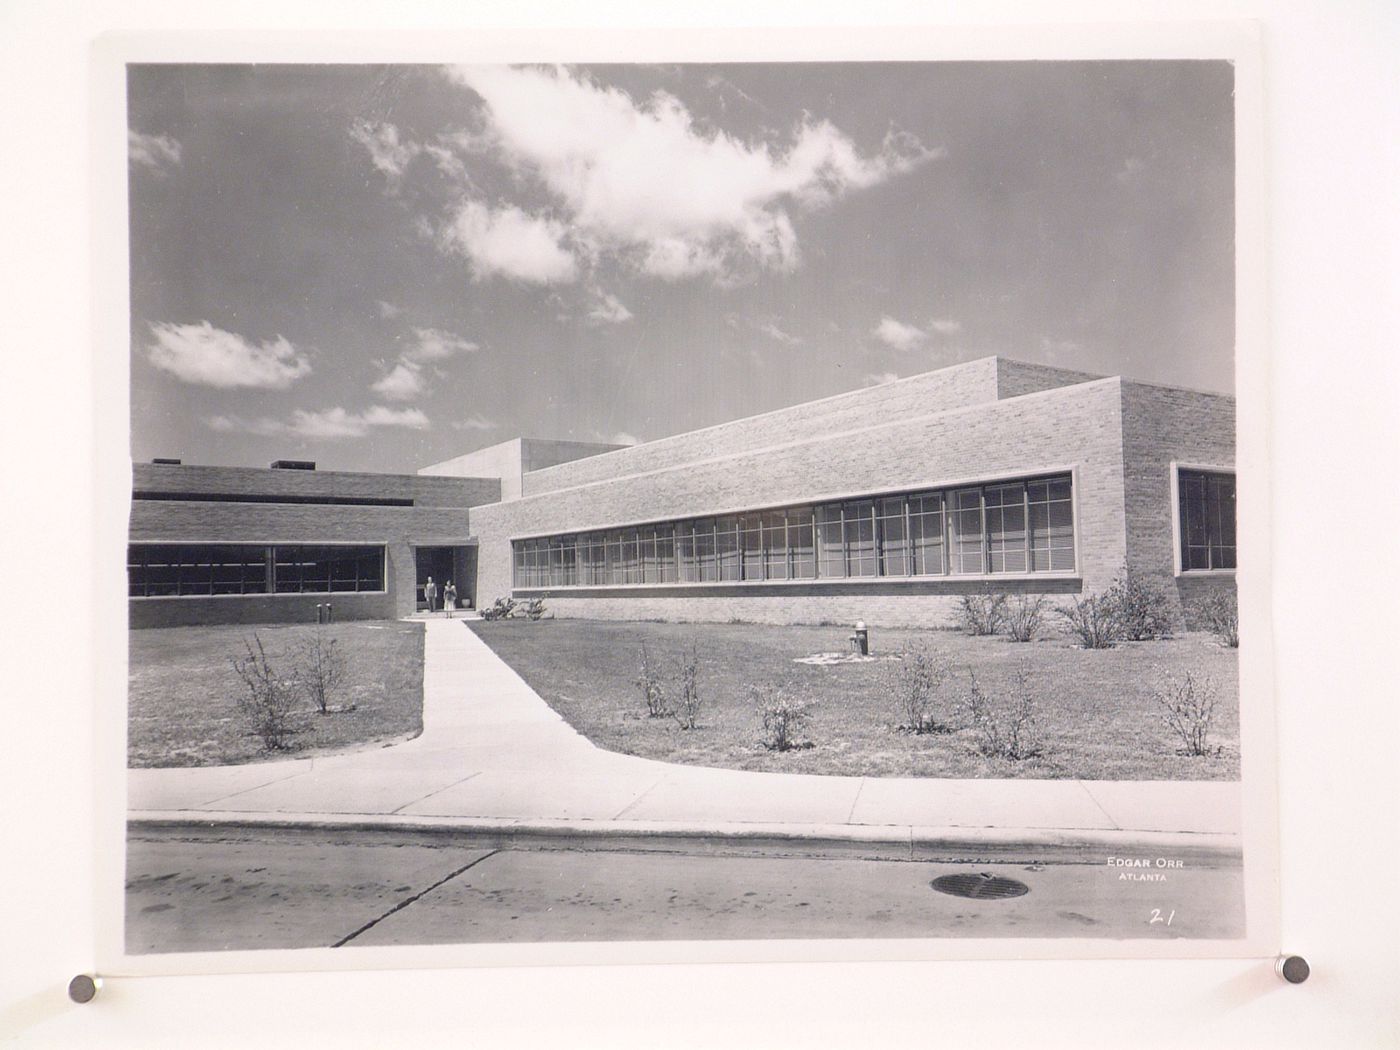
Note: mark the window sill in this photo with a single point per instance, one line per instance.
(1194, 573)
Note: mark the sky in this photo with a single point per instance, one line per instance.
(381, 267)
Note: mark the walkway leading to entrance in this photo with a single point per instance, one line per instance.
(493, 753)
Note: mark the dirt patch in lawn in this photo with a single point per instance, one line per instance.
(182, 708)
(1094, 710)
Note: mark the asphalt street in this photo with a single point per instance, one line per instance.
(208, 889)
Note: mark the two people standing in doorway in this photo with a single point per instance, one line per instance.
(449, 596)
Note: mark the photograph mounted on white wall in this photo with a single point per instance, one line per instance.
(694, 507)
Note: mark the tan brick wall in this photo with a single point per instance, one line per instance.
(423, 490)
(440, 517)
(1075, 426)
(256, 609)
(1015, 378)
(971, 383)
(1162, 425)
(959, 386)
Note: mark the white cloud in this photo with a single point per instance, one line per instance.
(774, 332)
(899, 335)
(448, 162)
(474, 422)
(405, 381)
(387, 151)
(509, 242)
(200, 353)
(608, 310)
(379, 416)
(159, 153)
(435, 344)
(388, 311)
(945, 326)
(331, 423)
(622, 437)
(672, 199)
(878, 378)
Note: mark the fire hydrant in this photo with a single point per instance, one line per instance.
(860, 641)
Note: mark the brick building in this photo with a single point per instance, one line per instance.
(242, 545)
(883, 504)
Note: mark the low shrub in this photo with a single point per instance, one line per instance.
(1188, 708)
(269, 699)
(652, 687)
(982, 614)
(319, 669)
(914, 680)
(783, 717)
(1005, 727)
(1140, 607)
(1022, 615)
(533, 609)
(688, 702)
(500, 609)
(1219, 613)
(1092, 620)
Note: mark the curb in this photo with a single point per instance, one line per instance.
(848, 841)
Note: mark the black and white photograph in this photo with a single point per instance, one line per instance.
(683, 502)
(755, 525)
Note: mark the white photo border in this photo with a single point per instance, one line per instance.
(1238, 43)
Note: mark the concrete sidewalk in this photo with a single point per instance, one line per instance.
(494, 755)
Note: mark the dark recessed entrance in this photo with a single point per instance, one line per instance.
(982, 886)
(457, 564)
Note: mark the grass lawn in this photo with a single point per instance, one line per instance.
(181, 708)
(1094, 709)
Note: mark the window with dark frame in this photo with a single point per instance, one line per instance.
(1206, 520)
(1002, 528)
(198, 570)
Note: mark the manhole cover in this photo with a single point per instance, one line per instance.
(982, 886)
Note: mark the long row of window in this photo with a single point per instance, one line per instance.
(1007, 527)
(160, 570)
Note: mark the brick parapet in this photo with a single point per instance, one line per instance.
(1075, 427)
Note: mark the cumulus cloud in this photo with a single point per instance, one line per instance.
(643, 181)
(773, 332)
(474, 422)
(608, 310)
(435, 344)
(159, 153)
(509, 242)
(903, 336)
(899, 335)
(390, 154)
(878, 378)
(405, 381)
(209, 356)
(331, 423)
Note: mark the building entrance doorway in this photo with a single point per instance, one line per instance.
(442, 564)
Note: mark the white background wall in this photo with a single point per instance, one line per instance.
(1333, 113)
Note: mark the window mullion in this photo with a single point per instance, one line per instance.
(1026, 522)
